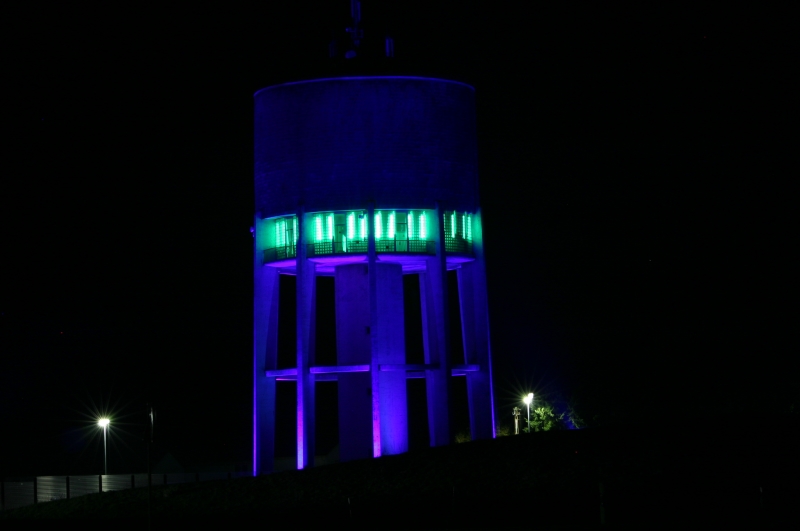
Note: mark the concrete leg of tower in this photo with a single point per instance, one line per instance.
(433, 298)
(387, 333)
(265, 357)
(306, 312)
(353, 347)
(475, 332)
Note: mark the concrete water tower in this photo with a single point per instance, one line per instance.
(366, 179)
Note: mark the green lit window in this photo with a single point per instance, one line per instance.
(351, 225)
(378, 226)
(458, 232)
(280, 233)
(458, 225)
(281, 238)
(318, 236)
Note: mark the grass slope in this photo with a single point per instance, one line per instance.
(548, 480)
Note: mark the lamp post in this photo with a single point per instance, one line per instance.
(103, 423)
(528, 399)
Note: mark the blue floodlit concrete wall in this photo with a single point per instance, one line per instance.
(367, 179)
(332, 144)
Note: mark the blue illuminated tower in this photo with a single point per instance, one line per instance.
(366, 179)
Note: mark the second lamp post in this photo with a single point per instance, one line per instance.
(103, 423)
(528, 399)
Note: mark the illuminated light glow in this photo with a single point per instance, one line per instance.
(344, 243)
(255, 427)
(376, 423)
(282, 372)
(464, 225)
(378, 226)
(103, 422)
(301, 464)
(294, 228)
(390, 228)
(318, 228)
(453, 226)
(280, 232)
(469, 227)
(362, 227)
(351, 225)
(423, 227)
(411, 225)
(333, 369)
(330, 227)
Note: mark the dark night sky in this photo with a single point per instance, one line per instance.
(633, 176)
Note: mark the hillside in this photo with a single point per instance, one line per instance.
(550, 480)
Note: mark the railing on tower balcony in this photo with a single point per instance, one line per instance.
(280, 253)
(457, 245)
(383, 245)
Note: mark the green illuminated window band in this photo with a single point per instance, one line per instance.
(406, 231)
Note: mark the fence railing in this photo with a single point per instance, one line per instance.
(28, 491)
(457, 245)
(382, 245)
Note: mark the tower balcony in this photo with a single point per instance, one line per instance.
(346, 233)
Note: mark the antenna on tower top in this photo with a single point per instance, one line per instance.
(355, 33)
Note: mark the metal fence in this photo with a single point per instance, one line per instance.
(28, 491)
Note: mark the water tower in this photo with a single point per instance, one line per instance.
(366, 179)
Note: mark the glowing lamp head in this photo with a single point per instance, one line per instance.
(528, 399)
(103, 423)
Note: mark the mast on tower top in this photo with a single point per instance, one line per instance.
(356, 34)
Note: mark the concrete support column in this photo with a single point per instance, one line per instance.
(484, 354)
(388, 348)
(353, 347)
(435, 322)
(306, 312)
(265, 357)
(475, 332)
(372, 258)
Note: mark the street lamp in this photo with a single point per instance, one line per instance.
(103, 423)
(528, 399)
